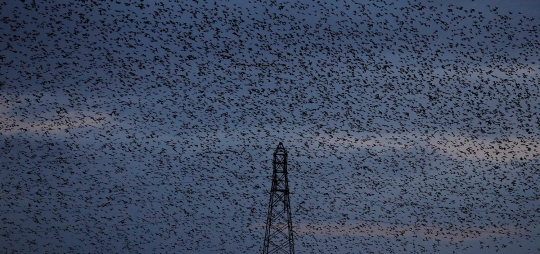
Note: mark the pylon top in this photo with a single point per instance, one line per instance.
(280, 149)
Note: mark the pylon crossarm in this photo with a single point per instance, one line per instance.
(279, 230)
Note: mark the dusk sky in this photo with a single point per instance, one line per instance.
(149, 127)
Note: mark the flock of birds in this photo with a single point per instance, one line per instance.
(137, 127)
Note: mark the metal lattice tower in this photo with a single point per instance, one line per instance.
(279, 235)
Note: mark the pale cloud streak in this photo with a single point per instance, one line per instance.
(62, 122)
(456, 146)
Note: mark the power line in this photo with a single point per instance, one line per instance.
(344, 179)
(416, 225)
(176, 221)
(427, 206)
(123, 188)
(334, 195)
(109, 204)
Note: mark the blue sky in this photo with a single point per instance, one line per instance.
(149, 127)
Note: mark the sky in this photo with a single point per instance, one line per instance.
(149, 127)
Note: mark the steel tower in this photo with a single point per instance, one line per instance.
(279, 235)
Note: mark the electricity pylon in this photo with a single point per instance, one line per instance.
(279, 235)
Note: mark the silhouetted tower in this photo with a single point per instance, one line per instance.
(279, 235)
